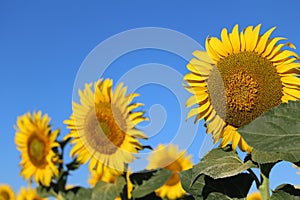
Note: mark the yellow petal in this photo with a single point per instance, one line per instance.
(204, 114)
(203, 56)
(226, 40)
(249, 38)
(191, 101)
(211, 52)
(271, 45)
(255, 36)
(197, 110)
(283, 55)
(193, 112)
(235, 39)
(275, 51)
(243, 43)
(218, 46)
(209, 117)
(290, 80)
(196, 90)
(286, 67)
(191, 76)
(292, 92)
(199, 67)
(262, 43)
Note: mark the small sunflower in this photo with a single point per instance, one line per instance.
(29, 194)
(169, 157)
(108, 177)
(103, 128)
(6, 192)
(35, 141)
(254, 196)
(239, 78)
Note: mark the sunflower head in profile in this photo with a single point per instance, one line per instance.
(36, 142)
(103, 128)
(6, 192)
(239, 78)
(169, 157)
(29, 194)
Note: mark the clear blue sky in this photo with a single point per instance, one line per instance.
(43, 44)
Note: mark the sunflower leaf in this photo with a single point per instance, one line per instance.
(108, 191)
(148, 186)
(221, 163)
(44, 191)
(276, 133)
(78, 193)
(287, 192)
(205, 187)
(263, 157)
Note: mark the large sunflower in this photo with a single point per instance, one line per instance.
(169, 157)
(6, 192)
(29, 194)
(103, 128)
(35, 141)
(240, 77)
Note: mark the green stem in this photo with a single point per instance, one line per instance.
(264, 187)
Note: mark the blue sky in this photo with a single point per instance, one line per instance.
(44, 43)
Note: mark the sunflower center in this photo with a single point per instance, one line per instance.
(37, 151)
(241, 91)
(252, 86)
(4, 195)
(104, 129)
(175, 178)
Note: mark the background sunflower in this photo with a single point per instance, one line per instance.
(169, 157)
(6, 192)
(103, 128)
(29, 194)
(35, 141)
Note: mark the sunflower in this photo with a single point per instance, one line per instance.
(109, 176)
(103, 128)
(6, 192)
(254, 196)
(29, 194)
(169, 157)
(239, 78)
(35, 141)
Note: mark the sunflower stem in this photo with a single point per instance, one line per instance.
(264, 187)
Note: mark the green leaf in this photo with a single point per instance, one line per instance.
(221, 163)
(277, 132)
(154, 182)
(186, 179)
(286, 192)
(78, 193)
(44, 191)
(272, 157)
(205, 187)
(108, 191)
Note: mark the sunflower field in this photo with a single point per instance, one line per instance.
(245, 86)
